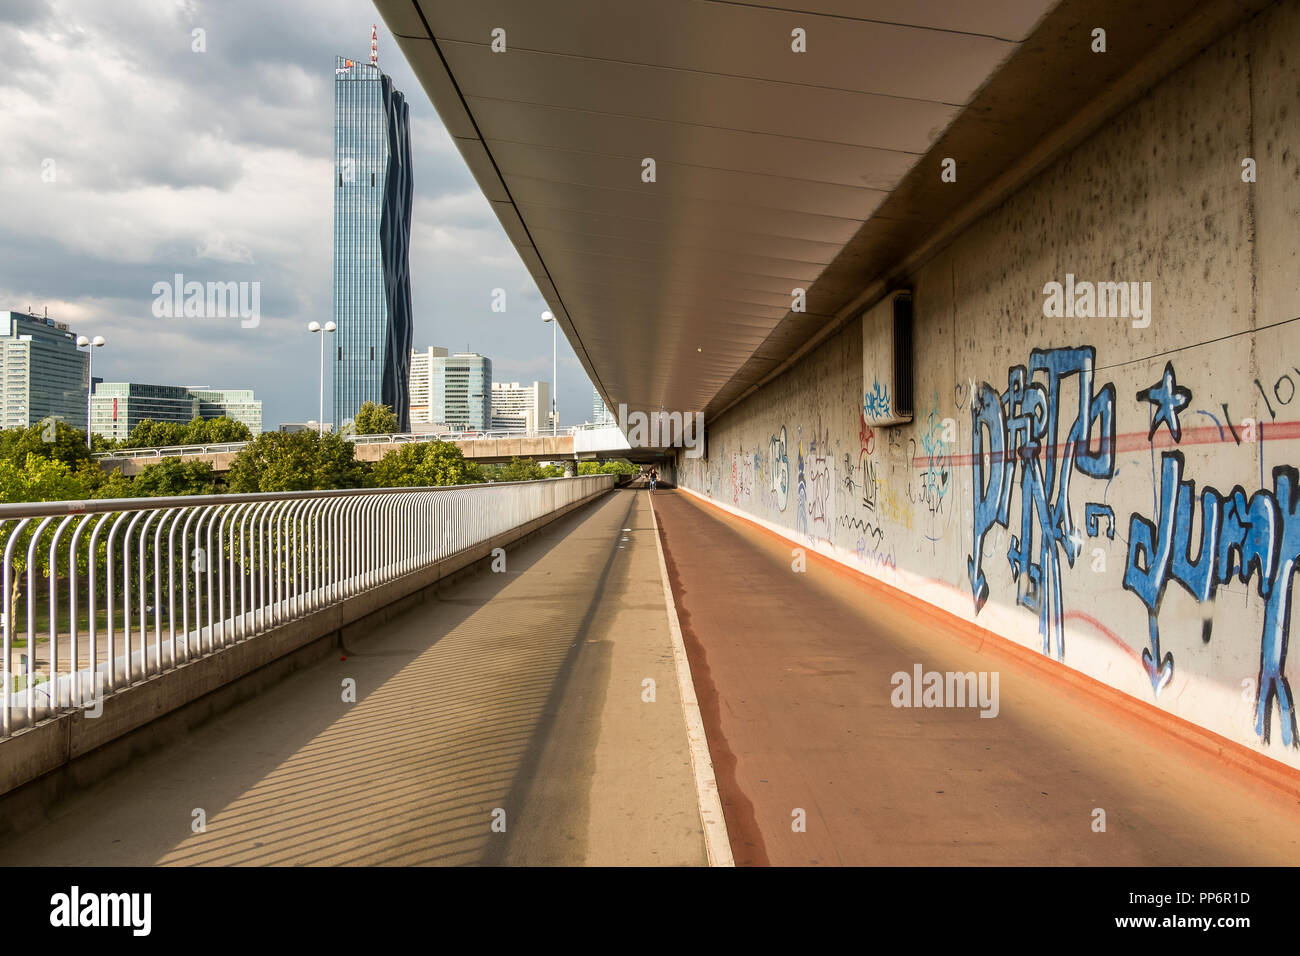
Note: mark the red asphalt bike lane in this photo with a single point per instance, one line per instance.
(793, 674)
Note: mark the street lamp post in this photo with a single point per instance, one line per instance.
(314, 327)
(91, 344)
(555, 407)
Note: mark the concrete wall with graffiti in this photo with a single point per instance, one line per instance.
(1105, 473)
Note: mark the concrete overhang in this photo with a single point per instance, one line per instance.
(774, 170)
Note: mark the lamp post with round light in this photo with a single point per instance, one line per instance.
(555, 406)
(91, 344)
(315, 327)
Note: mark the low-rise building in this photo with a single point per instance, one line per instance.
(117, 407)
(521, 408)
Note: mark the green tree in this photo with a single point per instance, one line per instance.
(216, 431)
(39, 479)
(91, 476)
(374, 419)
(172, 476)
(100, 443)
(618, 467)
(59, 443)
(197, 431)
(295, 461)
(114, 485)
(524, 469)
(422, 464)
(151, 434)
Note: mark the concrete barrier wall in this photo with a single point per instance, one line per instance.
(1121, 496)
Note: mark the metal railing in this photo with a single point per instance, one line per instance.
(175, 451)
(172, 451)
(132, 587)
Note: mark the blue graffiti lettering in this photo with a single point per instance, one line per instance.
(875, 403)
(801, 519)
(1022, 425)
(1243, 537)
(1092, 512)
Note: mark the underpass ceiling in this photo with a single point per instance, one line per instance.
(774, 169)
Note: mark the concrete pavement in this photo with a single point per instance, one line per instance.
(793, 673)
(516, 699)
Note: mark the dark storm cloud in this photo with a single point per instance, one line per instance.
(218, 165)
(23, 12)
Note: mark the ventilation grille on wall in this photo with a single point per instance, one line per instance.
(887, 360)
(903, 352)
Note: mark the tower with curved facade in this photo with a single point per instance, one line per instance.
(372, 232)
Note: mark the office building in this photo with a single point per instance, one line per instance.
(42, 372)
(372, 231)
(117, 407)
(600, 413)
(462, 391)
(522, 408)
(421, 388)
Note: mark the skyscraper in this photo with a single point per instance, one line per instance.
(462, 390)
(422, 384)
(600, 413)
(372, 231)
(42, 373)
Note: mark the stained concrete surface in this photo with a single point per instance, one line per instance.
(518, 691)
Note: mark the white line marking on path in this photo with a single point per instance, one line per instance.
(716, 841)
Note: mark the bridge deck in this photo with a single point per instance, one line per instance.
(793, 674)
(519, 690)
(523, 691)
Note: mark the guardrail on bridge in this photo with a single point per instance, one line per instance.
(130, 588)
(217, 448)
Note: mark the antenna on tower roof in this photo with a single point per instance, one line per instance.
(374, 45)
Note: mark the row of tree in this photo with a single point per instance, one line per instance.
(199, 431)
(53, 464)
(372, 419)
(43, 464)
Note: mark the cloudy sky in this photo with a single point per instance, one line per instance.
(129, 157)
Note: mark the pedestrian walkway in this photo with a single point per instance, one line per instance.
(793, 674)
(504, 723)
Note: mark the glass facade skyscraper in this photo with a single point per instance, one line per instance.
(42, 372)
(462, 391)
(372, 231)
(600, 413)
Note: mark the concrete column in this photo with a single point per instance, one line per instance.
(570, 469)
